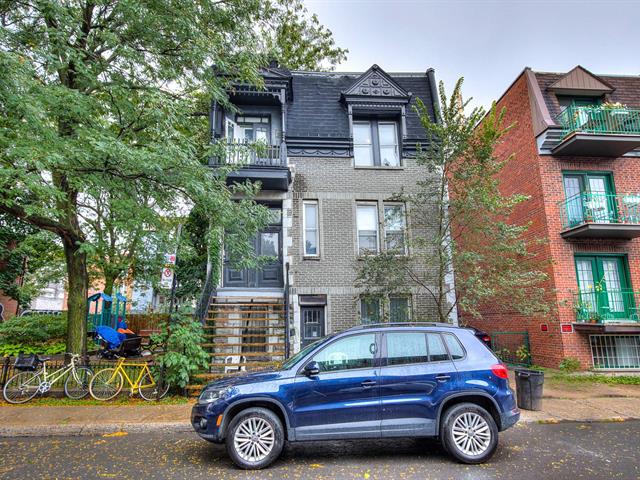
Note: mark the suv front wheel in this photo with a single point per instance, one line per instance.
(255, 438)
(469, 433)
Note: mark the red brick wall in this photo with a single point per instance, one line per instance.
(540, 177)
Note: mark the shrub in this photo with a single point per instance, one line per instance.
(183, 356)
(569, 364)
(47, 348)
(34, 329)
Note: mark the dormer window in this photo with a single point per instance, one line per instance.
(375, 143)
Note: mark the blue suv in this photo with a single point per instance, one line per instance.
(374, 381)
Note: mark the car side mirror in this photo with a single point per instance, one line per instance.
(311, 369)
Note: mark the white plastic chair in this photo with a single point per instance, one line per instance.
(235, 359)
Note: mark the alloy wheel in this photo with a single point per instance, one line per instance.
(254, 439)
(471, 434)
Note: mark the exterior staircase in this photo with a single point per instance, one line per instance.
(242, 335)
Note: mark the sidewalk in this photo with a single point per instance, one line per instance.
(561, 402)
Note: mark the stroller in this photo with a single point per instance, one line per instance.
(117, 344)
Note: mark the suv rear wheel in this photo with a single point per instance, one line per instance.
(255, 438)
(469, 433)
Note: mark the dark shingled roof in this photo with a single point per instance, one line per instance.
(316, 110)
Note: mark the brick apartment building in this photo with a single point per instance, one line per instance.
(336, 148)
(576, 141)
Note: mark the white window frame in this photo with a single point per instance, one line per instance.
(377, 224)
(403, 208)
(304, 228)
(375, 146)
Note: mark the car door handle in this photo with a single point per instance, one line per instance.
(368, 383)
(442, 377)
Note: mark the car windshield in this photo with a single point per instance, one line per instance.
(302, 353)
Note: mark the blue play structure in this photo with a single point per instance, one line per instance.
(103, 311)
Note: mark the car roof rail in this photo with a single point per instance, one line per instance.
(402, 324)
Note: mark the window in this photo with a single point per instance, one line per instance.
(312, 324)
(604, 290)
(399, 309)
(310, 234)
(375, 143)
(437, 352)
(356, 351)
(589, 197)
(369, 310)
(406, 347)
(367, 223)
(394, 228)
(453, 344)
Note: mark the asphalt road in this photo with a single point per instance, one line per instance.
(563, 451)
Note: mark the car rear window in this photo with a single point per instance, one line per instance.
(455, 347)
(406, 347)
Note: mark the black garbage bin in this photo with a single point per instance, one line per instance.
(529, 388)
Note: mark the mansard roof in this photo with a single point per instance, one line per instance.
(318, 107)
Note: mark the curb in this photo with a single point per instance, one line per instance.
(554, 420)
(93, 429)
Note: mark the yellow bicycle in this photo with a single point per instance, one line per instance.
(108, 382)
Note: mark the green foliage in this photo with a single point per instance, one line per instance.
(183, 356)
(104, 136)
(458, 219)
(569, 365)
(33, 329)
(523, 354)
(300, 42)
(46, 348)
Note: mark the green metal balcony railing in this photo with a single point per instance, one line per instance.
(599, 208)
(599, 120)
(606, 306)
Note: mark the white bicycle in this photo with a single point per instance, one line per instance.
(25, 385)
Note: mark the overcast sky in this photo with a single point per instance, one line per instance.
(488, 42)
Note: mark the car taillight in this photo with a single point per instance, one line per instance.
(486, 339)
(500, 371)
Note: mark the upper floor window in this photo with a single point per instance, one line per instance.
(310, 233)
(394, 228)
(367, 224)
(375, 143)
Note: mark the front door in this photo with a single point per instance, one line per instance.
(416, 374)
(342, 401)
(312, 324)
(267, 243)
(603, 284)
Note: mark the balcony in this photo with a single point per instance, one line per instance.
(598, 131)
(600, 215)
(254, 161)
(607, 311)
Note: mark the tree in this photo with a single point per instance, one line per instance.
(458, 218)
(102, 97)
(299, 41)
(29, 260)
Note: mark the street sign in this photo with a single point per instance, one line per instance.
(166, 280)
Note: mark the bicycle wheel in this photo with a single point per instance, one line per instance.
(106, 384)
(150, 391)
(22, 387)
(76, 386)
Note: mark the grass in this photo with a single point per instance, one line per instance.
(558, 376)
(119, 401)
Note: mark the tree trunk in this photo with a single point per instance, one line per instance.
(108, 284)
(77, 297)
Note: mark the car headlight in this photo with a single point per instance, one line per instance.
(210, 395)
